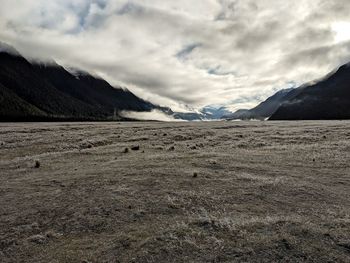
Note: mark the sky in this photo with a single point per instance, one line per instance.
(186, 54)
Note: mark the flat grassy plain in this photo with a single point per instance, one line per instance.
(193, 192)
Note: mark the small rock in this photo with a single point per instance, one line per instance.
(165, 134)
(193, 147)
(126, 150)
(344, 244)
(35, 226)
(135, 148)
(172, 148)
(38, 239)
(314, 160)
(51, 234)
(195, 175)
(37, 164)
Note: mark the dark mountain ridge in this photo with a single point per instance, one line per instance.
(265, 109)
(38, 91)
(327, 99)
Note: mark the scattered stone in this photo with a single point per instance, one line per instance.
(314, 160)
(126, 150)
(6, 243)
(135, 148)
(173, 206)
(89, 146)
(172, 148)
(195, 175)
(165, 134)
(38, 239)
(193, 147)
(324, 137)
(125, 242)
(286, 244)
(344, 244)
(37, 164)
(52, 235)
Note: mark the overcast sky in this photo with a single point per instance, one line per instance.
(186, 52)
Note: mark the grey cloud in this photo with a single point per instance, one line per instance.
(182, 54)
(130, 8)
(218, 71)
(199, 52)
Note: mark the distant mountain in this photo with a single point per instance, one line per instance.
(37, 91)
(264, 109)
(327, 99)
(188, 116)
(214, 112)
(206, 113)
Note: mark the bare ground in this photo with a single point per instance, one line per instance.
(193, 192)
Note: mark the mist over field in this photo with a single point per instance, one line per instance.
(154, 115)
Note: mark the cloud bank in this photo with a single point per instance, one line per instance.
(179, 53)
(154, 115)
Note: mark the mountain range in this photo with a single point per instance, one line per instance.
(328, 98)
(37, 91)
(47, 91)
(264, 110)
(204, 114)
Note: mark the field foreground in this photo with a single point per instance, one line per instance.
(193, 192)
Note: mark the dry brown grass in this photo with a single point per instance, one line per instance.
(264, 192)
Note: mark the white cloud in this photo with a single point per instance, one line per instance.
(154, 115)
(180, 53)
